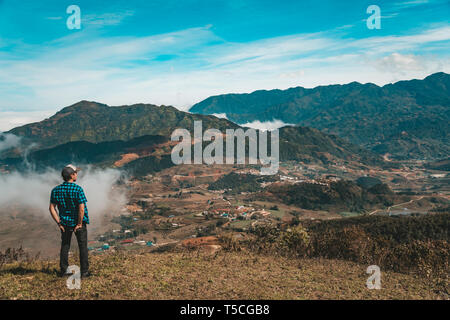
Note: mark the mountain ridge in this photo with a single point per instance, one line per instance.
(96, 122)
(412, 112)
(95, 133)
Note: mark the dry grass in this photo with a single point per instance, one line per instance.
(195, 275)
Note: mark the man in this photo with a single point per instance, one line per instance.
(73, 217)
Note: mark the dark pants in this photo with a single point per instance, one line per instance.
(66, 237)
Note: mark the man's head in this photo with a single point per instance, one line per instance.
(70, 173)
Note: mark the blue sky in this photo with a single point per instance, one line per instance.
(178, 52)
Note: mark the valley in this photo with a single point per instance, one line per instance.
(186, 202)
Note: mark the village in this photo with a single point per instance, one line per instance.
(177, 205)
(220, 213)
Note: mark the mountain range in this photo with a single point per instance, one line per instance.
(96, 122)
(137, 137)
(351, 123)
(406, 119)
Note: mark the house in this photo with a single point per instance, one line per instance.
(263, 212)
(332, 177)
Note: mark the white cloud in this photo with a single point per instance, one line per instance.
(105, 19)
(389, 44)
(125, 70)
(269, 49)
(293, 74)
(220, 115)
(266, 125)
(8, 141)
(403, 64)
(12, 119)
(31, 190)
(412, 3)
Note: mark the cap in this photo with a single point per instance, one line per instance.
(68, 170)
(72, 167)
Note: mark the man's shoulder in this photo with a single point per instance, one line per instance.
(67, 185)
(78, 187)
(56, 188)
(73, 185)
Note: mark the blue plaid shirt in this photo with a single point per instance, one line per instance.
(68, 196)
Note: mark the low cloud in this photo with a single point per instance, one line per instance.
(267, 125)
(220, 115)
(24, 205)
(31, 191)
(11, 141)
(8, 141)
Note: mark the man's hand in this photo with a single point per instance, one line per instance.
(55, 217)
(78, 226)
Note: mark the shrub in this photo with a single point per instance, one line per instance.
(228, 242)
(11, 255)
(409, 245)
(294, 241)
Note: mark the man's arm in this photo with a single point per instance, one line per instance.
(81, 205)
(55, 215)
(80, 217)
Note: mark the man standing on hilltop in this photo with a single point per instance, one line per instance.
(72, 218)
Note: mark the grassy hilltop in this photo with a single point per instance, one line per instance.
(197, 275)
(326, 260)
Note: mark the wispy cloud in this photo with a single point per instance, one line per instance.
(11, 119)
(8, 141)
(409, 3)
(105, 19)
(126, 70)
